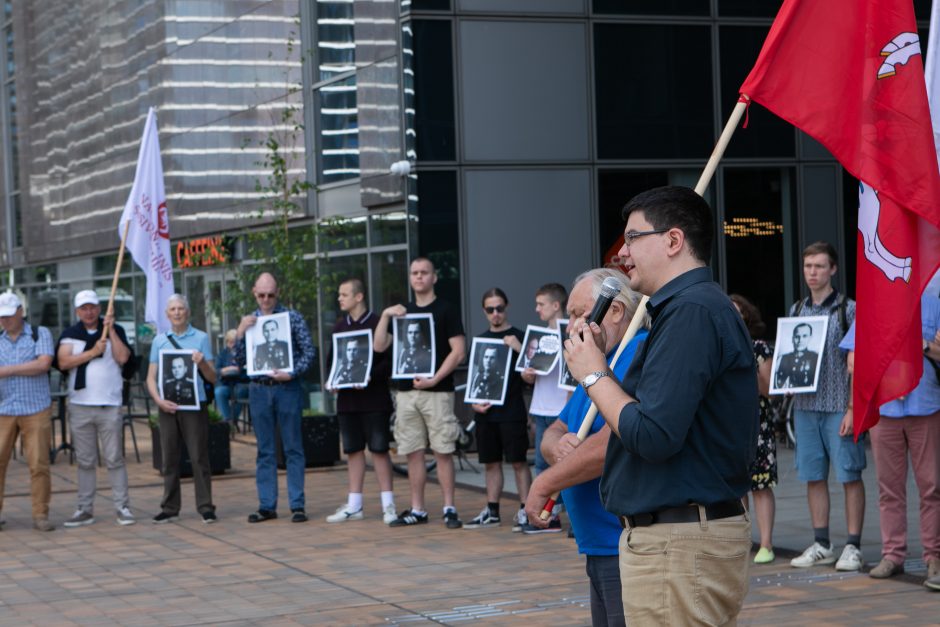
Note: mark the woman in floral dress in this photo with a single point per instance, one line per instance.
(764, 466)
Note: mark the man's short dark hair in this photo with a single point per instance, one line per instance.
(358, 287)
(822, 248)
(803, 324)
(556, 292)
(494, 292)
(677, 207)
(271, 321)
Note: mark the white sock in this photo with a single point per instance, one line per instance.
(354, 503)
(450, 508)
(388, 498)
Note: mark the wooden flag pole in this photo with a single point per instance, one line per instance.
(117, 274)
(635, 323)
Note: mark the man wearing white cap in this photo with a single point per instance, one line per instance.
(93, 350)
(25, 402)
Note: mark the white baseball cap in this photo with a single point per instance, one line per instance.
(9, 303)
(86, 297)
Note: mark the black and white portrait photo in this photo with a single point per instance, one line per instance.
(413, 340)
(565, 380)
(177, 378)
(352, 359)
(490, 361)
(268, 345)
(798, 354)
(540, 349)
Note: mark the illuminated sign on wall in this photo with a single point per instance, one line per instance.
(202, 251)
(752, 227)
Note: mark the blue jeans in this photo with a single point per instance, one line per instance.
(278, 405)
(541, 424)
(603, 571)
(225, 401)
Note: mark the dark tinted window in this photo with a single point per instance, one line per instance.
(439, 231)
(426, 5)
(653, 87)
(766, 135)
(615, 188)
(749, 8)
(652, 7)
(755, 200)
(432, 63)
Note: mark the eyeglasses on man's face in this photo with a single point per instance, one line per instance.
(496, 309)
(631, 236)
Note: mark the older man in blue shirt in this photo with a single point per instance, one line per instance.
(25, 402)
(909, 425)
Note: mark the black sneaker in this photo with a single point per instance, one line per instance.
(262, 515)
(408, 518)
(483, 519)
(554, 526)
(163, 518)
(298, 516)
(452, 520)
(209, 517)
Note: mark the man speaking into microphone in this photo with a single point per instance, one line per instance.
(684, 422)
(575, 466)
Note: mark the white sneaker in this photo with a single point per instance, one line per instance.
(520, 520)
(851, 558)
(813, 556)
(343, 513)
(125, 516)
(389, 515)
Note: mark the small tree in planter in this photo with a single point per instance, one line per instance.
(220, 448)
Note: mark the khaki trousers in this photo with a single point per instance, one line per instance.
(685, 574)
(37, 434)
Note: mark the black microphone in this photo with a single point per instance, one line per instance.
(609, 290)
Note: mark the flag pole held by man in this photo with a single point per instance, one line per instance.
(850, 74)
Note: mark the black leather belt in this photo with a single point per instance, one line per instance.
(683, 514)
(268, 382)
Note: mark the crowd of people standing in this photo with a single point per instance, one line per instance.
(662, 474)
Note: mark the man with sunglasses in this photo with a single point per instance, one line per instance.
(684, 421)
(502, 430)
(277, 399)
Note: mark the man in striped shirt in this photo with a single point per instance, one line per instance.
(25, 402)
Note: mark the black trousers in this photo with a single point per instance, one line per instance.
(191, 427)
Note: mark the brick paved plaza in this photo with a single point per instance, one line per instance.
(279, 573)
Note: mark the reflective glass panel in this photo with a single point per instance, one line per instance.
(339, 130)
(336, 44)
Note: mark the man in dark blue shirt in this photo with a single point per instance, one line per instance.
(685, 420)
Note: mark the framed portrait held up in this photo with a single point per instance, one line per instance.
(352, 359)
(177, 378)
(414, 353)
(268, 345)
(798, 354)
(488, 378)
(540, 349)
(565, 380)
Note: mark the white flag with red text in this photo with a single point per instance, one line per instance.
(148, 238)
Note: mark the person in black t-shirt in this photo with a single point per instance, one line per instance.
(502, 430)
(363, 411)
(425, 405)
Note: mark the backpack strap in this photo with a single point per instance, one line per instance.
(843, 318)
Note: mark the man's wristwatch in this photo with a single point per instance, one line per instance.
(593, 378)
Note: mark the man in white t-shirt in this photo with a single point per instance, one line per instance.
(547, 398)
(93, 352)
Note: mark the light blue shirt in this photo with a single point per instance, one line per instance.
(925, 398)
(24, 396)
(193, 339)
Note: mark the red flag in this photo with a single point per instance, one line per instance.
(850, 74)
